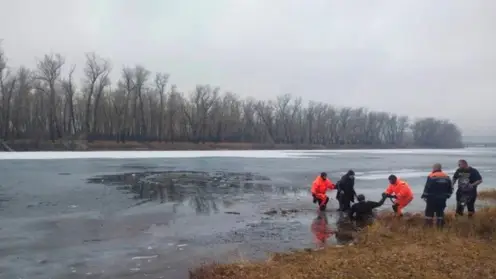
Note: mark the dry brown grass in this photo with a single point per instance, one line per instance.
(390, 248)
(487, 194)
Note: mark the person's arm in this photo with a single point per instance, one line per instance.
(330, 185)
(314, 187)
(352, 185)
(456, 175)
(451, 188)
(427, 187)
(477, 177)
(354, 195)
(380, 203)
(338, 185)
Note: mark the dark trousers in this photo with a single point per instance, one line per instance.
(434, 208)
(465, 199)
(323, 206)
(344, 203)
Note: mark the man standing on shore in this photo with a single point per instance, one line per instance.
(437, 190)
(468, 179)
(319, 188)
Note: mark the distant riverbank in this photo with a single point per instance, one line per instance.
(81, 145)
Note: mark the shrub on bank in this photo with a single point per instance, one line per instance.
(390, 248)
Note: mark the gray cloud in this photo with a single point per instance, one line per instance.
(421, 58)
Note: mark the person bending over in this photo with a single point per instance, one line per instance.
(319, 188)
(401, 192)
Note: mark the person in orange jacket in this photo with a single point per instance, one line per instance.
(401, 192)
(319, 189)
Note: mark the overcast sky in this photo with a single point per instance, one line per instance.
(417, 57)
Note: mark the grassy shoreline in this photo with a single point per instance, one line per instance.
(390, 248)
(107, 145)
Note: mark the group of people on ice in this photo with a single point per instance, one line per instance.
(438, 188)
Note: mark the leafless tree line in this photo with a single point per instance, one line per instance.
(41, 104)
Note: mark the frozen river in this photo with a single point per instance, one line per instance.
(154, 214)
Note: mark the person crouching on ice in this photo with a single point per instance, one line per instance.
(319, 189)
(401, 192)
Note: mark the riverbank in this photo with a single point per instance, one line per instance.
(390, 248)
(83, 145)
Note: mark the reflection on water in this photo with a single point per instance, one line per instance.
(321, 229)
(200, 190)
(345, 229)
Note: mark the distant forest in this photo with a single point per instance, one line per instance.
(41, 104)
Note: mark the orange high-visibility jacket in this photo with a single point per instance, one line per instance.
(320, 186)
(401, 189)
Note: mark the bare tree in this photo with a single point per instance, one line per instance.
(69, 88)
(160, 83)
(36, 105)
(96, 72)
(7, 86)
(49, 70)
(21, 121)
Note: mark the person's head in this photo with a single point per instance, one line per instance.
(323, 175)
(436, 167)
(392, 179)
(351, 174)
(462, 164)
(361, 198)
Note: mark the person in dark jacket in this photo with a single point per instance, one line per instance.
(346, 190)
(438, 188)
(362, 211)
(468, 179)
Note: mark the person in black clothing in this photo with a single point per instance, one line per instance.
(468, 179)
(362, 211)
(346, 190)
(437, 190)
